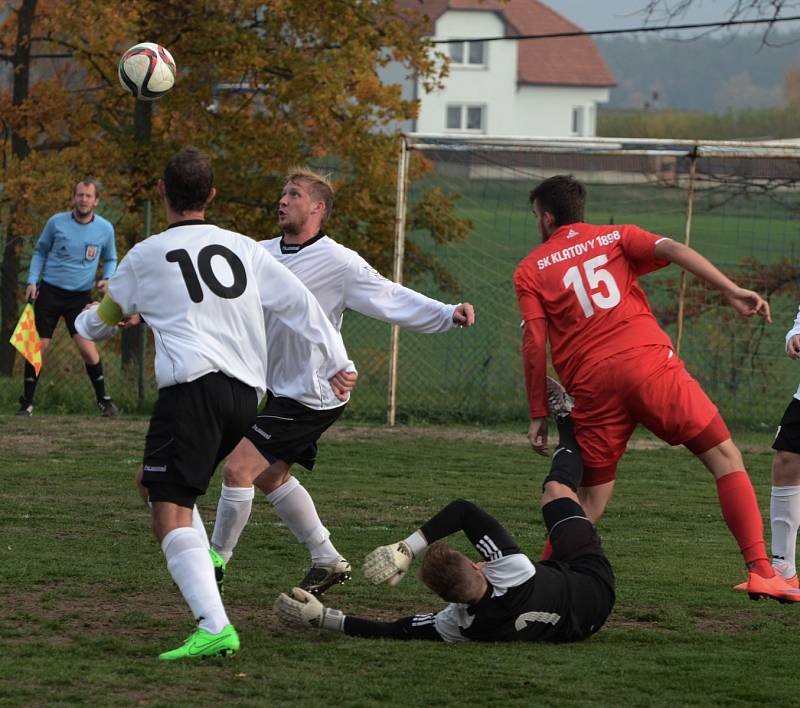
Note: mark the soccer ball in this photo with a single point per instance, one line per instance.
(147, 71)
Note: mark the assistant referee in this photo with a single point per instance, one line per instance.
(60, 282)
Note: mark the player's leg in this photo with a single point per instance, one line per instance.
(241, 468)
(91, 360)
(295, 507)
(785, 496)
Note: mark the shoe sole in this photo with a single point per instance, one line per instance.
(338, 579)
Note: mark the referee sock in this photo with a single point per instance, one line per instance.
(233, 512)
(295, 507)
(190, 567)
(95, 372)
(784, 514)
(739, 505)
(29, 382)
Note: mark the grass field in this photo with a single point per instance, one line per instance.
(86, 601)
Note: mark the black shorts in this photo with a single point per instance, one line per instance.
(287, 430)
(52, 302)
(578, 552)
(193, 427)
(788, 436)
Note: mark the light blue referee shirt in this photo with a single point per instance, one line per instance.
(67, 252)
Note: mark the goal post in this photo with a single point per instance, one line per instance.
(736, 202)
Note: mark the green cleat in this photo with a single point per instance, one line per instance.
(219, 569)
(202, 644)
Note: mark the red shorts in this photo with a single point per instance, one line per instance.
(647, 385)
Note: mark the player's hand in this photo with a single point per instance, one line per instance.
(388, 563)
(464, 315)
(302, 609)
(793, 347)
(31, 292)
(130, 321)
(102, 286)
(748, 303)
(343, 383)
(537, 436)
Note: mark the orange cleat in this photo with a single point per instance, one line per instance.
(775, 588)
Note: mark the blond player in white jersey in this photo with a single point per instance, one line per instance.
(204, 292)
(784, 509)
(299, 408)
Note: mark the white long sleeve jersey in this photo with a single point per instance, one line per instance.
(205, 292)
(795, 330)
(340, 279)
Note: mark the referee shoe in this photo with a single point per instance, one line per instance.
(108, 408)
(321, 576)
(25, 408)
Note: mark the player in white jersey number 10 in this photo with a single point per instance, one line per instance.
(205, 293)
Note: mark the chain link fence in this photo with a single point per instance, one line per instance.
(737, 203)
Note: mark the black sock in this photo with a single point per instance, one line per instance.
(567, 464)
(29, 383)
(95, 372)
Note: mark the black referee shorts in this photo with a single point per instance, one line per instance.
(193, 427)
(788, 436)
(52, 302)
(287, 430)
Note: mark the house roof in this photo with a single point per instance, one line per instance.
(563, 61)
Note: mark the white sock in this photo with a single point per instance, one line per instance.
(294, 505)
(190, 567)
(784, 515)
(233, 511)
(199, 526)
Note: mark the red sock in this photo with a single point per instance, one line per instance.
(547, 551)
(740, 511)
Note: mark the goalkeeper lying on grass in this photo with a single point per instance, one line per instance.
(506, 597)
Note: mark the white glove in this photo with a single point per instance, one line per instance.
(388, 563)
(305, 610)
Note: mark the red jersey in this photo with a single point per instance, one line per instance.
(582, 280)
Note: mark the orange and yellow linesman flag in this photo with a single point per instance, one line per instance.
(25, 338)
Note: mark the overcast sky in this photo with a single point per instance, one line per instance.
(614, 14)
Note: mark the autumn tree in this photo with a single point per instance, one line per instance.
(261, 86)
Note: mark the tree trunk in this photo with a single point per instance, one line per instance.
(142, 122)
(21, 64)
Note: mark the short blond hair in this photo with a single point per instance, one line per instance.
(449, 574)
(319, 185)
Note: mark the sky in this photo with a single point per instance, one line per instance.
(614, 14)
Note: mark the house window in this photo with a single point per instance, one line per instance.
(467, 118)
(577, 120)
(468, 53)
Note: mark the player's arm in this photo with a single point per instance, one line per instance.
(369, 293)
(301, 609)
(284, 296)
(793, 338)
(534, 368)
(98, 322)
(745, 302)
(390, 563)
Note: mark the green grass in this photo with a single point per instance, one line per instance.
(87, 602)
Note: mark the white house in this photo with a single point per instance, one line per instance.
(535, 87)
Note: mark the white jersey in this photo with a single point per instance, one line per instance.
(795, 330)
(340, 279)
(205, 291)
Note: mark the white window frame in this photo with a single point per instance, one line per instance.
(462, 127)
(466, 63)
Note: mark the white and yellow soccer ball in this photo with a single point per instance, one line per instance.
(147, 70)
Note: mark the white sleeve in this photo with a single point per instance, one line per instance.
(89, 325)
(284, 296)
(795, 330)
(123, 286)
(368, 292)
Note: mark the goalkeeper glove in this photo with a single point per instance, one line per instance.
(302, 609)
(388, 563)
